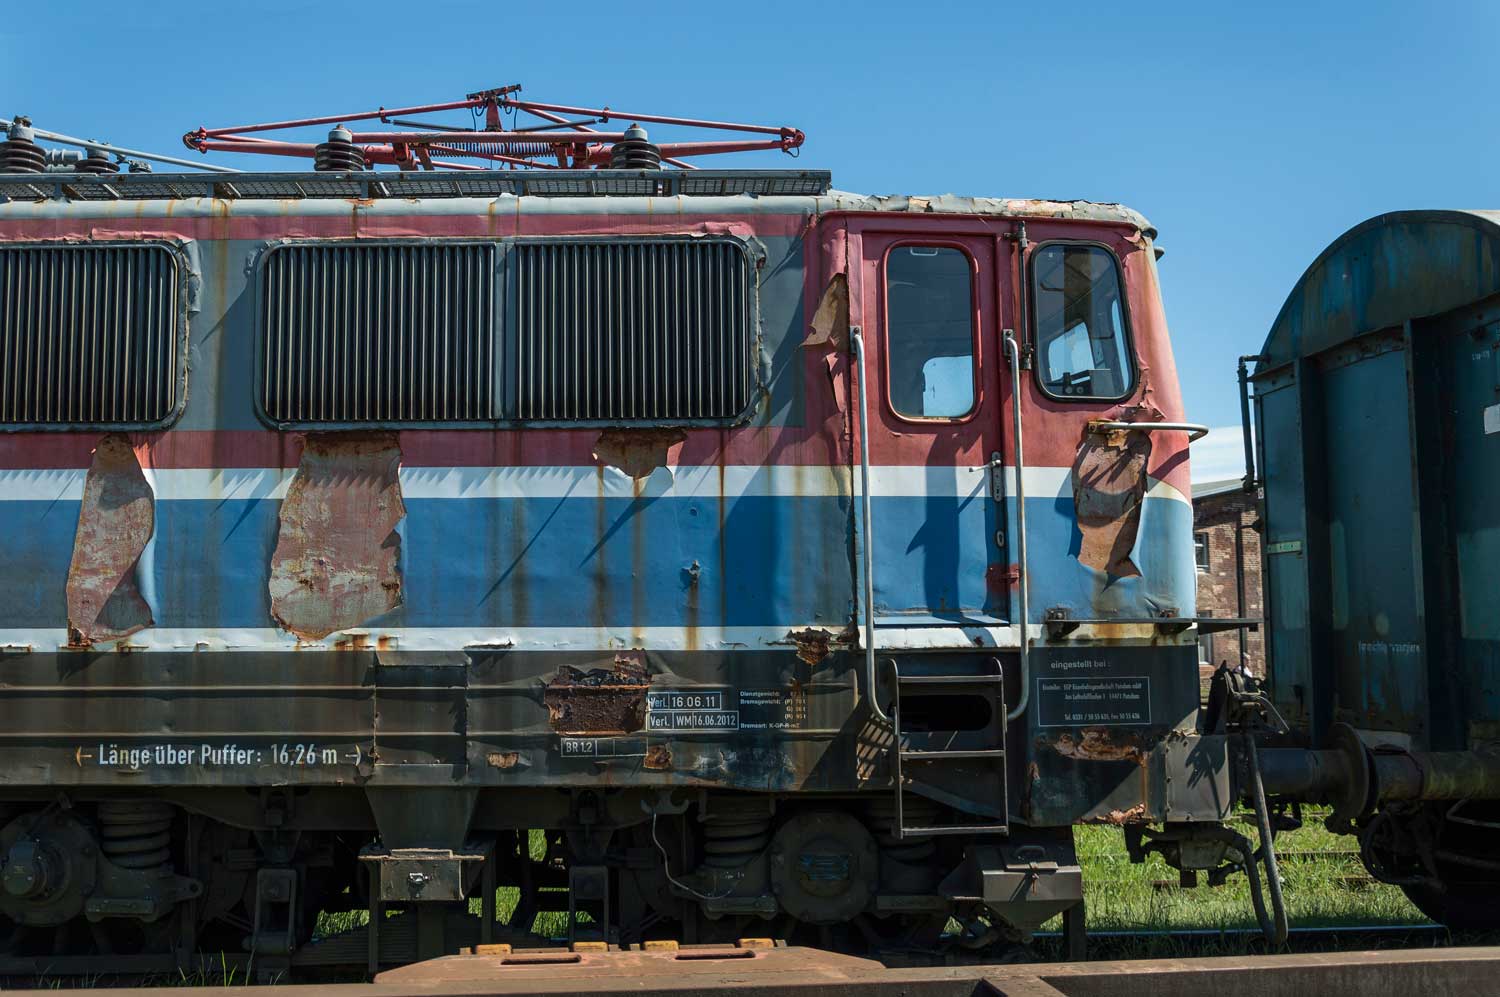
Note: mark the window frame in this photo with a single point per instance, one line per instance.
(187, 294)
(1127, 327)
(975, 318)
(1206, 565)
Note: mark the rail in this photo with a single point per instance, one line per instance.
(867, 557)
(1023, 586)
(1194, 431)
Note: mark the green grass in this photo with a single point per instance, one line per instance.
(1323, 882)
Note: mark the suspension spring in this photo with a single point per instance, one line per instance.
(735, 833)
(137, 834)
(881, 818)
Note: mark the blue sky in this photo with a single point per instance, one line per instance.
(1250, 134)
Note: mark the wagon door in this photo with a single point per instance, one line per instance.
(928, 308)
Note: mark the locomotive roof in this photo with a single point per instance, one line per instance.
(604, 191)
(1397, 266)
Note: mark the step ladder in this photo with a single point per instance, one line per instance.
(951, 764)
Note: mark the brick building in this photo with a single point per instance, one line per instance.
(1227, 547)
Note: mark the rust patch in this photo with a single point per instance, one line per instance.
(658, 757)
(1109, 481)
(598, 701)
(1135, 815)
(115, 522)
(812, 645)
(337, 551)
(830, 323)
(637, 452)
(504, 759)
(1100, 744)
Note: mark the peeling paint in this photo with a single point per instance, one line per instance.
(658, 757)
(1099, 744)
(115, 522)
(599, 701)
(1109, 482)
(637, 452)
(336, 564)
(830, 323)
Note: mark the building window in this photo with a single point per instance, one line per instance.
(929, 332)
(1080, 323)
(1200, 550)
(1205, 642)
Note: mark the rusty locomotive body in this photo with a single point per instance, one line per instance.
(707, 553)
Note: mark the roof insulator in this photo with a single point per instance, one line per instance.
(338, 154)
(634, 152)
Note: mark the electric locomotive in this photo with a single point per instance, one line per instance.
(703, 553)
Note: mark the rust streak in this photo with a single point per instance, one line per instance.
(337, 551)
(637, 452)
(598, 701)
(115, 522)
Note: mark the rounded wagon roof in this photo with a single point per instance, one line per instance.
(1384, 271)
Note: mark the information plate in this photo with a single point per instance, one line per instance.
(1107, 700)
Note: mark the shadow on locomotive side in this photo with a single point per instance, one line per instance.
(797, 563)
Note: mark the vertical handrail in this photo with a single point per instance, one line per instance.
(1013, 355)
(1250, 470)
(867, 557)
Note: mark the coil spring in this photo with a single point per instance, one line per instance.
(518, 150)
(338, 157)
(21, 155)
(137, 834)
(735, 833)
(881, 816)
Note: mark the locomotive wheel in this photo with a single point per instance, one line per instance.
(1460, 906)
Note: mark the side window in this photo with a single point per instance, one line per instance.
(1080, 326)
(929, 332)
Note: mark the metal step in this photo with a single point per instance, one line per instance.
(933, 756)
(999, 827)
(950, 679)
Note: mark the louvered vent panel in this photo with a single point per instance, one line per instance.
(630, 330)
(379, 333)
(89, 335)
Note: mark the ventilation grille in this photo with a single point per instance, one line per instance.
(88, 335)
(629, 330)
(379, 333)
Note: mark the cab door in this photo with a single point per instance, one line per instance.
(928, 306)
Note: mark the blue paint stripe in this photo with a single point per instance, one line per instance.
(650, 562)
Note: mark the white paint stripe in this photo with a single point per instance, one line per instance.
(738, 481)
(520, 638)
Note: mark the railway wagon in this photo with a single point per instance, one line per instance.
(704, 554)
(1377, 401)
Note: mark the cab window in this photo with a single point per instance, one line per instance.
(1081, 342)
(929, 332)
